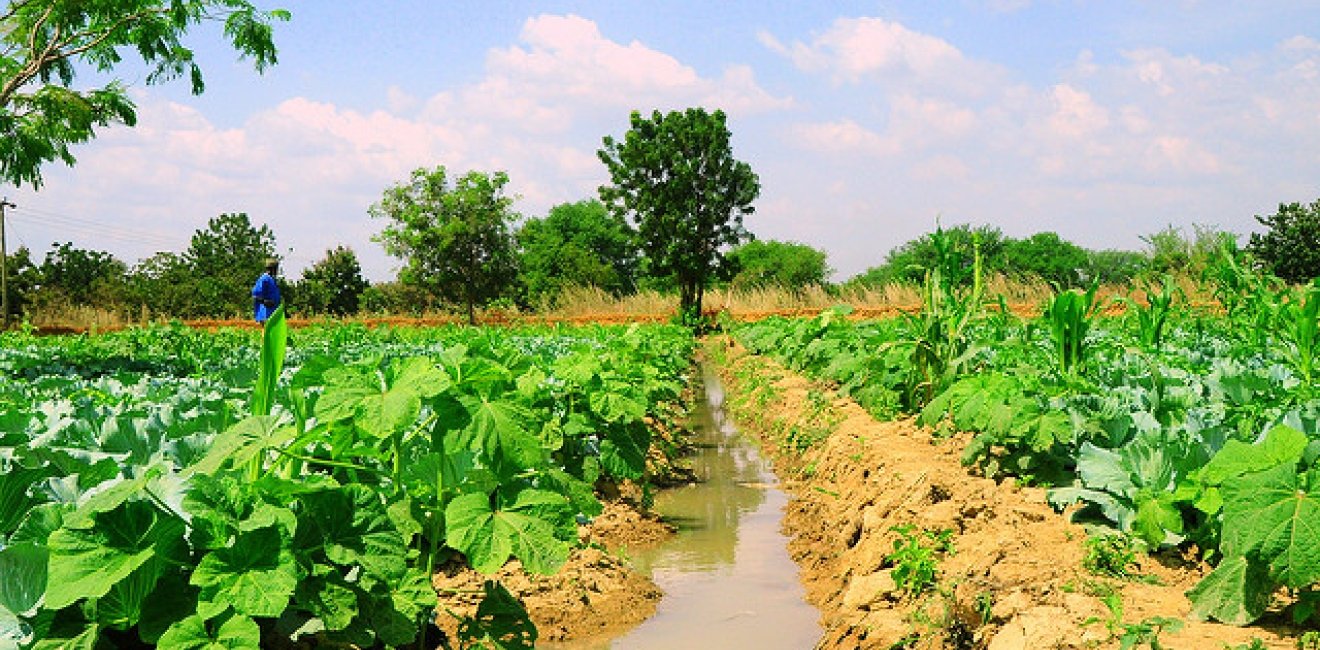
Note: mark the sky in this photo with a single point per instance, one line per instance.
(867, 122)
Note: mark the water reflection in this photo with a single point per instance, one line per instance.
(727, 577)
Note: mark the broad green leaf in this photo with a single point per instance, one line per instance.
(40, 522)
(256, 576)
(498, 430)
(1270, 514)
(1282, 445)
(527, 530)
(22, 577)
(15, 496)
(1237, 592)
(396, 605)
(329, 598)
(124, 605)
(108, 496)
(239, 444)
(623, 452)
(273, 340)
(612, 404)
(352, 528)
(84, 637)
(1102, 469)
(1158, 520)
(231, 632)
(86, 563)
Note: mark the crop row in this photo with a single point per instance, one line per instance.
(167, 487)
(1177, 427)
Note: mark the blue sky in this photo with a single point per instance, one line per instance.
(866, 121)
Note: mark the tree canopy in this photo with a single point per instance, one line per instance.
(1290, 245)
(43, 43)
(333, 284)
(577, 244)
(676, 176)
(770, 263)
(454, 235)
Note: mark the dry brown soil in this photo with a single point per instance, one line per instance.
(1012, 554)
(595, 592)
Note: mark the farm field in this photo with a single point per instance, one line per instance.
(324, 488)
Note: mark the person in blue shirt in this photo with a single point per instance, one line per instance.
(266, 293)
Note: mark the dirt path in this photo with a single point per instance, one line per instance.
(1013, 577)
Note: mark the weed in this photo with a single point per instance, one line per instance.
(1111, 556)
(1309, 641)
(1256, 644)
(914, 558)
(1131, 635)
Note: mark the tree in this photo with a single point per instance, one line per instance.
(577, 244)
(43, 43)
(675, 174)
(1113, 266)
(224, 260)
(85, 277)
(454, 237)
(769, 263)
(1290, 247)
(23, 278)
(1048, 256)
(333, 284)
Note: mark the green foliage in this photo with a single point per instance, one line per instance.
(47, 42)
(84, 277)
(911, 261)
(1131, 635)
(768, 263)
(1153, 314)
(1047, 256)
(915, 557)
(1070, 316)
(577, 244)
(453, 235)
(1110, 555)
(140, 503)
(213, 277)
(676, 176)
(333, 284)
(23, 279)
(1290, 245)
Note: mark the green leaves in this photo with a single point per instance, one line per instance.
(229, 632)
(528, 529)
(274, 338)
(1271, 519)
(256, 576)
(87, 562)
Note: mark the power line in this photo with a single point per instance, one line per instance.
(91, 227)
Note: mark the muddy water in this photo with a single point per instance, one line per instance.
(727, 577)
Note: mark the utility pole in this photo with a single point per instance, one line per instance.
(4, 265)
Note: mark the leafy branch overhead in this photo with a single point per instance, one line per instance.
(45, 42)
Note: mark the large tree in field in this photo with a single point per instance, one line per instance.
(454, 235)
(44, 42)
(675, 174)
(577, 244)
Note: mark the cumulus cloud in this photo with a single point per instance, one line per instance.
(312, 168)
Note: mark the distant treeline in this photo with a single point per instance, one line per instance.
(583, 244)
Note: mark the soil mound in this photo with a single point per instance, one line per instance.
(1012, 575)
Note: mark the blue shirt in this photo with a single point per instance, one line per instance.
(265, 289)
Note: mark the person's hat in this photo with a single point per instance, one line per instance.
(272, 263)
